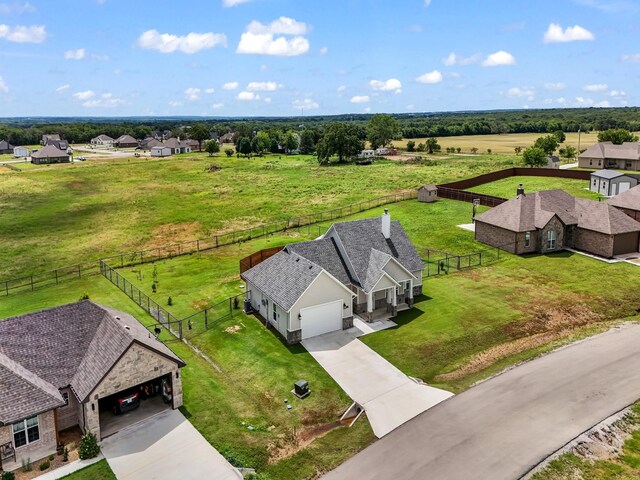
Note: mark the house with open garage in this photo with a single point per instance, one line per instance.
(611, 182)
(367, 268)
(78, 365)
(552, 220)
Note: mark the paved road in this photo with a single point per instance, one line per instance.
(506, 425)
(389, 397)
(165, 446)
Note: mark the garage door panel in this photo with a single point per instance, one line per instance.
(625, 243)
(624, 186)
(321, 319)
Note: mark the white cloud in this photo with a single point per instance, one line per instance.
(306, 104)
(267, 100)
(366, 109)
(455, 59)
(106, 100)
(609, 6)
(261, 39)
(247, 96)
(555, 34)
(23, 34)
(3, 86)
(631, 58)
(87, 94)
(16, 8)
(554, 86)
(324, 50)
(263, 86)
(518, 92)
(427, 3)
(584, 102)
(74, 54)
(341, 89)
(209, 90)
(499, 58)
(391, 85)
(360, 99)
(100, 58)
(62, 88)
(602, 104)
(561, 101)
(430, 77)
(189, 44)
(217, 106)
(596, 87)
(230, 86)
(192, 94)
(617, 93)
(175, 103)
(233, 3)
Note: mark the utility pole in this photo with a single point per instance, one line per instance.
(578, 140)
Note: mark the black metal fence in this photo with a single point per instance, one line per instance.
(439, 262)
(29, 283)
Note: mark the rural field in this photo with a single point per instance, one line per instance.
(506, 188)
(500, 143)
(96, 209)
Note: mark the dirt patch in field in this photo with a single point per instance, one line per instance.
(241, 223)
(234, 329)
(171, 233)
(289, 444)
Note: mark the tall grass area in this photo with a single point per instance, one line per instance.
(506, 188)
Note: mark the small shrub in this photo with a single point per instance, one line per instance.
(7, 476)
(88, 446)
(26, 465)
(51, 457)
(153, 287)
(65, 455)
(85, 296)
(236, 303)
(169, 301)
(229, 152)
(44, 465)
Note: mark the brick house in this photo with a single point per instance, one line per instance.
(628, 202)
(63, 367)
(553, 220)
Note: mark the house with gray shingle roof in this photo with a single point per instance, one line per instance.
(628, 202)
(365, 267)
(609, 155)
(125, 141)
(49, 154)
(102, 141)
(552, 220)
(63, 367)
(5, 147)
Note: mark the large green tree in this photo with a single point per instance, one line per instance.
(339, 139)
(382, 128)
(432, 145)
(211, 147)
(244, 146)
(617, 136)
(307, 142)
(534, 157)
(261, 143)
(547, 144)
(291, 142)
(199, 132)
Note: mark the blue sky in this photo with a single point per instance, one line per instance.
(286, 57)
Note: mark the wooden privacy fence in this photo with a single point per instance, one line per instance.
(466, 196)
(257, 257)
(517, 172)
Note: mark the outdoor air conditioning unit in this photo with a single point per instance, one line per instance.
(301, 389)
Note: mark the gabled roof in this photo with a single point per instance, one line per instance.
(103, 138)
(284, 277)
(4, 145)
(323, 252)
(604, 150)
(629, 199)
(533, 211)
(175, 143)
(49, 151)
(429, 188)
(60, 144)
(125, 139)
(51, 136)
(73, 345)
(608, 174)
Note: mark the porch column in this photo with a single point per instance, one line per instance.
(410, 297)
(370, 305)
(394, 301)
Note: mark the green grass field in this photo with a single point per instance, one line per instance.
(506, 188)
(56, 216)
(97, 471)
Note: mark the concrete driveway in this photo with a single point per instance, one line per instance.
(503, 427)
(389, 397)
(165, 446)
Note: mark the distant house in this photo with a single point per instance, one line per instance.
(608, 155)
(363, 267)
(177, 146)
(49, 154)
(160, 151)
(228, 138)
(553, 161)
(60, 144)
(63, 367)
(5, 147)
(552, 220)
(611, 182)
(366, 154)
(149, 142)
(49, 136)
(21, 152)
(102, 141)
(628, 202)
(161, 134)
(125, 141)
(428, 193)
(193, 144)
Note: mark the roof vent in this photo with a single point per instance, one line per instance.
(127, 327)
(117, 318)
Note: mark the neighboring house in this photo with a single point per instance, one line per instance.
(61, 367)
(553, 161)
(59, 144)
(161, 134)
(177, 146)
(160, 151)
(21, 152)
(193, 144)
(611, 182)
(608, 155)
(125, 141)
(102, 141)
(628, 202)
(149, 142)
(49, 136)
(49, 154)
(366, 154)
(428, 193)
(5, 147)
(553, 220)
(227, 138)
(365, 267)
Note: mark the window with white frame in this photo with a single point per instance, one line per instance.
(527, 239)
(26, 431)
(65, 397)
(551, 239)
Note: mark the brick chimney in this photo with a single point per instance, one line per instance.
(386, 224)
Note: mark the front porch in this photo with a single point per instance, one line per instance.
(385, 302)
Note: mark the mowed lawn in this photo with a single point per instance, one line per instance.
(257, 372)
(97, 471)
(501, 143)
(506, 188)
(58, 216)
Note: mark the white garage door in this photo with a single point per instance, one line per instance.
(624, 186)
(321, 319)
